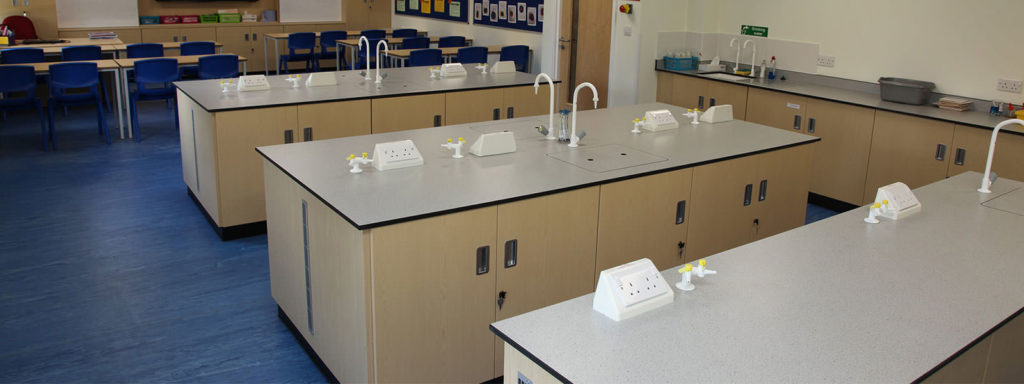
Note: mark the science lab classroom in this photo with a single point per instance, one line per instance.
(511, 191)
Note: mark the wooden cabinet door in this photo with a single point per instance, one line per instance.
(255, 53)
(720, 93)
(719, 220)
(840, 160)
(236, 40)
(239, 166)
(333, 120)
(689, 92)
(431, 308)
(160, 35)
(472, 106)
(408, 112)
(780, 192)
(546, 253)
(970, 151)
(777, 109)
(665, 88)
(638, 219)
(198, 34)
(521, 101)
(910, 149)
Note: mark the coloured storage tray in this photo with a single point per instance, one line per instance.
(230, 17)
(189, 19)
(209, 18)
(681, 63)
(170, 19)
(149, 20)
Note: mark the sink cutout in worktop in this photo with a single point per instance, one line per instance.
(606, 157)
(1012, 202)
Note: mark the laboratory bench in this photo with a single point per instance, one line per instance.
(394, 276)
(220, 130)
(932, 297)
(865, 142)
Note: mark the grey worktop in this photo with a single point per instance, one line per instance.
(817, 87)
(444, 184)
(351, 86)
(835, 301)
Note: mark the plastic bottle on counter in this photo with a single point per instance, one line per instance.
(563, 128)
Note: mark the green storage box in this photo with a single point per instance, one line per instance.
(209, 18)
(230, 17)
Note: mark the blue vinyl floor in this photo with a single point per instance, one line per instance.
(109, 272)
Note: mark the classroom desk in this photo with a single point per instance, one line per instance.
(127, 64)
(167, 45)
(391, 41)
(56, 51)
(277, 37)
(70, 41)
(101, 65)
(399, 55)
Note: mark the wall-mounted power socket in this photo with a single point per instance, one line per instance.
(1007, 85)
(826, 61)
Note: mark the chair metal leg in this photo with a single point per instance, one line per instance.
(135, 119)
(53, 132)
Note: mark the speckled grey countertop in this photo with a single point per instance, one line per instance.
(444, 184)
(805, 85)
(351, 86)
(835, 301)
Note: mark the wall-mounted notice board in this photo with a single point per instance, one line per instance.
(455, 10)
(527, 15)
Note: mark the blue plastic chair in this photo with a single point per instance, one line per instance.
(22, 56)
(406, 32)
(218, 66)
(328, 42)
(81, 53)
(364, 58)
(372, 33)
(195, 48)
(300, 41)
(520, 54)
(471, 55)
(154, 71)
(75, 75)
(145, 50)
(425, 57)
(451, 41)
(416, 43)
(18, 79)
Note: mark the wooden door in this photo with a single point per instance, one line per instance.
(378, 13)
(970, 151)
(160, 35)
(639, 218)
(198, 34)
(332, 120)
(777, 109)
(431, 308)
(472, 106)
(665, 89)
(840, 160)
(719, 218)
(720, 93)
(521, 101)
(239, 166)
(594, 38)
(256, 53)
(237, 40)
(408, 112)
(566, 52)
(910, 149)
(546, 253)
(689, 92)
(780, 193)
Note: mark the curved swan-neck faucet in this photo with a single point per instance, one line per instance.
(386, 52)
(573, 139)
(361, 40)
(985, 181)
(753, 57)
(736, 42)
(551, 113)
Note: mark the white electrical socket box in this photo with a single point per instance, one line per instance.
(504, 67)
(659, 120)
(902, 202)
(631, 289)
(253, 83)
(826, 61)
(396, 154)
(1007, 85)
(494, 144)
(452, 70)
(717, 114)
(320, 79)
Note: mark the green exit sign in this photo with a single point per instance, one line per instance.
(753, 30)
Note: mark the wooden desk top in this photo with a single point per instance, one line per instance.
(182, 60)
(167, 45)
(51, 50)
(395, 40)
(354, 32)
(446, 51)
(76, 41)
(45, 67)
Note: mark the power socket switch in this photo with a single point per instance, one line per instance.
(826, 61)
(1007, 85)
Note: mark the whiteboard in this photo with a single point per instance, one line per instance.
(97, 13)
(310, 10)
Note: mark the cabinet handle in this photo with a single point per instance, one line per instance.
(501, 299)
(305, 251)
(184, 38)
(762, 192)
(682, 248)
(483, 259)
(253, 37)
(747, 192)
(511, 253)
(961, 155)
(307, 134)
(437, 120)
(700, 102)
(940, 152)
(246, 37)
(796, 121)
(497, 114)
(680, 212)
(175, 38)
(289, 136)
(511, 113)
(712, 103)
(810, 125)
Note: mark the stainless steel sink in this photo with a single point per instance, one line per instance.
(726, 76)
(606, 157)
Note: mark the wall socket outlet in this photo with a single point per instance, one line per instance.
(1007, 85)
(826, 61)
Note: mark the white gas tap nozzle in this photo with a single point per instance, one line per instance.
(455, 145)
(551, 112)
(356, 162)
(702, 269)
(637, 123)
(360, 45)
(225, 86)
(695, 114)
(386, 52)
(875, 210)
(573, 139)
(294, 79)
(482, 67)
(685, 284)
